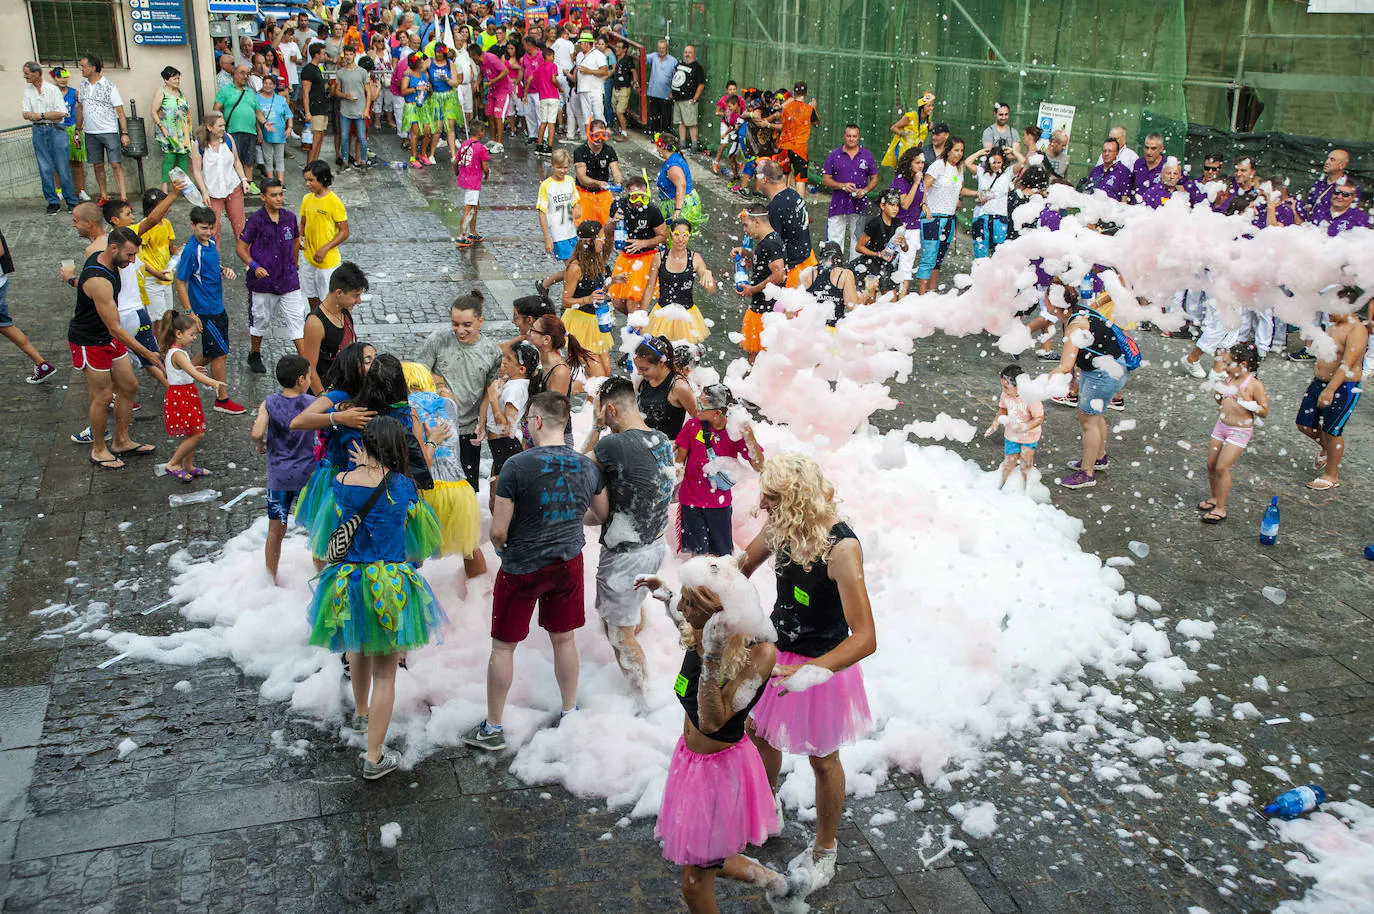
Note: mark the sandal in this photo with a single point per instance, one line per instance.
(1212, 517)
(1207, 504)
(463, 241)
(199, 472)
(1321, 484)
(1320, 462)
(138, 450)
(183, 475)
(114, 463)
(475, 237)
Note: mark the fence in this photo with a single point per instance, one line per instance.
(18, 168)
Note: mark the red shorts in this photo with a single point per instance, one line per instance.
(557, 588)
(97, 358)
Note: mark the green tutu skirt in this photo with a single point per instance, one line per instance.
(421, 114)
(317, 491)
(374, 608)
(692, 210)
(447, 107)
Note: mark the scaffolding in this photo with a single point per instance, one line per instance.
(1155, 67)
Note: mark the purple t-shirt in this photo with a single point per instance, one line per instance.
(1048, 219)
(1317, 204)
(911, 215)
(290, 453)
(272, 245)
(1114, 181)
(696, 490)
(1350, 219)
(1153, 195)
(471, 155)
(845, 169)
(1142, 175)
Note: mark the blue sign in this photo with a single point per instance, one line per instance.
(241, 7)
(158, 21)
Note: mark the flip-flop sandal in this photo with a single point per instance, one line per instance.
(1212, 517)
(1320, 462)
(475, 237)
(463, 241)
(199, 472)
(183, 475)
(1322, 484)
(113, 463)
(1206, 504)
(142, 450)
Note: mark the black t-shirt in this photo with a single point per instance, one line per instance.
(319, 88)
(808, 613)
(598, 163)
(879, 234)
(789, 218)
(86, 328)
(766, 250)
(551, 488)
(626, 68)
(1104, 342)
(640, 224)
(637, 467)
(686, 78)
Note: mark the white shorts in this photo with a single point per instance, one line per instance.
(548, 110)
(314, 280)
(470, 197)
(618, 601)
(159, 298)
(906, 260)
(262, 306)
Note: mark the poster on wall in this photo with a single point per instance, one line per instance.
(158, 21)
(1054, 117)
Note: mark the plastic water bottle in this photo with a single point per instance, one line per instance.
(605, 322)
(1269, 524)
(742, 274)
(621, 238)
(192, 498)
(1292, 803)
(188, 187)
(1369, 552)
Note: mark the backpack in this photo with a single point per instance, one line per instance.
(1130, 349)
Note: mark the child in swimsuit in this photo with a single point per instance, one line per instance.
(1241, 398)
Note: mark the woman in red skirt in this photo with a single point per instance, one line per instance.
(181, 407)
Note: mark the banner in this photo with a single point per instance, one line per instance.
(1054, 117)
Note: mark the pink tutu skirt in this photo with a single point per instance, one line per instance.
(815, 722)
(715, 805)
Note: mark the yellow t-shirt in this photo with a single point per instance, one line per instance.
(156, 251)
(320, 218)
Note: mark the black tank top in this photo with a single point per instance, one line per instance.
(86, 328)
(675, 288)
(1104, 343)
(657, 410)
(539, 383)
(335, 338)
(586, 286)
(827, 291)
(808, 614)
(686, 689)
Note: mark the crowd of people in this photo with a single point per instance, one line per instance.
(378, 455)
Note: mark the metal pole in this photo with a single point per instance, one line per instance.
(1240, 66)
(1021, 60)
(193, 40)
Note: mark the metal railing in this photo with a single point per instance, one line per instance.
(18, 168)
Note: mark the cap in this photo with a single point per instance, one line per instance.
(586, 36)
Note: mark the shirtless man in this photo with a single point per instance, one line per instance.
(1334, 391)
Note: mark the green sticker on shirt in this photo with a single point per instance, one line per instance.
(680, 686)
(801, 596)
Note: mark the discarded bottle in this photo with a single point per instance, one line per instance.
(1269, 525)
(192, 498)
(398, 166)
(1292, 803)
(1138, 549)
(1275, 595)
(1369, 552)
(188, 187)
(621, 238)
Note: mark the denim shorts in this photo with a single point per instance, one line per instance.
(1096, 389)
(5, 306)
(279, 503)
(102, 148)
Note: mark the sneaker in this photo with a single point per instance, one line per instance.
(416, 163)
(530, 141)
(358, 724)
(338, 162)
(1046, 355)
(1079, 480)
(229, 406)
(480, 737)
(255, 363)
(253, 190)
(496, 149)
(1102, 463)
(84, 436)
(1068, 400)
(41, 373)
(54, 209)
(820, 864)
(1195, 369)
(84, 197)
(389, 762)
(1118, 404)
(1300, 355)
(785, 894)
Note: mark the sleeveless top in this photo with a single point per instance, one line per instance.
(177, 377)
(675, 288)
(657, 410)
(826, 291)
(217, 169)
(334, 339)
(86, 328)
(808, 614)
(1104, 343)
(538, 385)
(666, 189)
(686, 689)
(586, 286)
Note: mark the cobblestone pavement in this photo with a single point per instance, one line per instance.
(230, 803)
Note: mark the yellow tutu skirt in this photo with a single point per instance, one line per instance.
(460, 520)
(584, 328)
(678, 324)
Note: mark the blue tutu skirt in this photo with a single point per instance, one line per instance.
(374, 608)
(424, 536)
(318, 489)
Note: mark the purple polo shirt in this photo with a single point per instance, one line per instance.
(1284, 215)
(1142, 175)
(1153, 195)
(844, 169)
(1350, 219)
(1318, 200)
(272, 245)
(1049, 220)
(911, 216)
(1114, 181)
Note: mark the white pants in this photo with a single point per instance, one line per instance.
(836, 226)
(531, 111)
(592, 107)
(1263, 330)
(398, 106)
(314, 280)
(262, 306)
(1193, 302)
(159, 298)
(572, 112)
(1216, 335)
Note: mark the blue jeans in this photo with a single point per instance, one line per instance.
(348, 125)
(988, 232)
(50, 149)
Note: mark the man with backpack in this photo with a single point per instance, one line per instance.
(1104, 355)
(238, 102)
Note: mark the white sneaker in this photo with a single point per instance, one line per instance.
(496, 149)
(821, 866)
(787, 894)
(1195, 369)
(84, 197)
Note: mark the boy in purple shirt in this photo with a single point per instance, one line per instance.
(269, 247)
(290, 453)
(850, 172)
(470, 165)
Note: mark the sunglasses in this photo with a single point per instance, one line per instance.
(1211, 168)
(1342, 193)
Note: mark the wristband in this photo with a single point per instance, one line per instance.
(333, 423)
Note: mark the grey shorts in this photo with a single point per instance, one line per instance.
(274, 157)
(102, 148)
(618, 601)
(685, 113)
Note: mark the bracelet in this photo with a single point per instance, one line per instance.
(333, 423)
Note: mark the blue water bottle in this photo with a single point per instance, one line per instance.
(742, 274)
(1292, 803)
(620, 237)
(1269, 525)
(605, 322)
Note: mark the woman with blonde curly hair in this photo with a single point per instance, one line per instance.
(815, 702)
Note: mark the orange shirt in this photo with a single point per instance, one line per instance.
(796, 126)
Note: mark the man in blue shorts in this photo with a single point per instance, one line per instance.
(1334, 391)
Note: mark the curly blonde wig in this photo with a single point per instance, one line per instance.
(737, 652)
(799, 526)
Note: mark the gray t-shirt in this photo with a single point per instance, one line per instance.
(1058, 164)
(999, 136)
(352, 80)
(551, 488)
(638, 468)
(468, 368)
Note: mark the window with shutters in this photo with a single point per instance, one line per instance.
(65, 30)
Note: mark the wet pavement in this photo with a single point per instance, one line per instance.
(230, 802)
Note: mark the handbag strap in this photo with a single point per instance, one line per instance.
(372, 499)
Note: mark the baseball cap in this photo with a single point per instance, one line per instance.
(585, 36)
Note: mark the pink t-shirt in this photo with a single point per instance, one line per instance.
(696, 490)
(543, 83)
(1019, 415)
(530, 63)
(471, 155)
(491, 67)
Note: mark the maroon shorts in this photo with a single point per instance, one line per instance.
(97, 358)
(556, 588)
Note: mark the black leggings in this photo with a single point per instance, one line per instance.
(469, 455)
